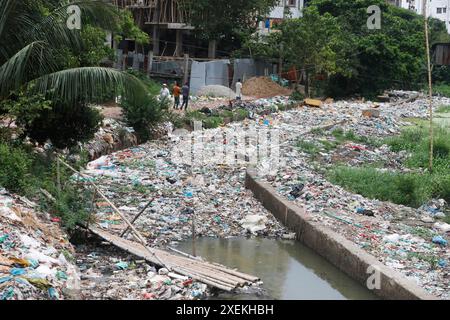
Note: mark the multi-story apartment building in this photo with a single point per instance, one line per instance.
(285, 9)
(439, 9)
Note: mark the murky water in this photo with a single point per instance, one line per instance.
(290, 270)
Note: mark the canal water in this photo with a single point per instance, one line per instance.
(289, 270)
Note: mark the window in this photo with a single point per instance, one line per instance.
(441, 10)
(291, 3)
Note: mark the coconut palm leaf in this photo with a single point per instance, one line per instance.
(88, 84)
(27, 38)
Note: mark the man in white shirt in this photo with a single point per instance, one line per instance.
(239, 90)
(165, 93)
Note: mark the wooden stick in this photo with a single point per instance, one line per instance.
(137, 217)
(137, 234)
(430, 86)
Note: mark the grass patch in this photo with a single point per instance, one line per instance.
(406, 189)
(443, 109)
(442, 89)
(416, 140)
(308, 147)
(412, 189)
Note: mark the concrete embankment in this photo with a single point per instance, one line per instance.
(341, 252)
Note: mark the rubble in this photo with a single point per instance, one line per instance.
(111, 274)
(396, 235)
(35, 255)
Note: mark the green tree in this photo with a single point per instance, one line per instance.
(30, 30)
(227, 21)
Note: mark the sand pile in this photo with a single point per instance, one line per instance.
(263, 87)
(216, 91)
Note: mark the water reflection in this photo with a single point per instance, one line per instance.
(289, 269)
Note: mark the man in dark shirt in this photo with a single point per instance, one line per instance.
(185, 92)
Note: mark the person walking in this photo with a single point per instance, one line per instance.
(239, 90)
(185, 92)
(176, 91)
(164, 93)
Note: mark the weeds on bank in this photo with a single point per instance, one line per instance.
(26, 173)
(411, 189)
(443, 109)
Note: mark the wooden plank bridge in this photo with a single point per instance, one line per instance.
(212, 274)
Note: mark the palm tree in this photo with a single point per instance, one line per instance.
(29, 34)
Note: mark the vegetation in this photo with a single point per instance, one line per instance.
(49, 75)
(144, 115)
(332, 42)
(412, 189)
(229, 22)
(27, 173)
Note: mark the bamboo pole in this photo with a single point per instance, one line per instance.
(137, 234)
(137, 217)
(430, 85)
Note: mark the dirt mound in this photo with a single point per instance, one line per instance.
(263, 87)
(216, 91)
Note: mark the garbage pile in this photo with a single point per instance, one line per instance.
(261, 106)
(412, 241)
(111, 274)
(36, 258)
(113, 135)
(213, 195)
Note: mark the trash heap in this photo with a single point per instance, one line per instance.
(113, 135)
(263, 106)
(215, 196)
(412, 241)
(36, 258)
(109, 273)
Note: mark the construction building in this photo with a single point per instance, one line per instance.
(439, 9)
(162, 19)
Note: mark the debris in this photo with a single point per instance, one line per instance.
(297, 190)
(443, 227)
(313, 103)
(365, 212)
(371, 113)
(254, 223)
(439, 240)
(30, 268)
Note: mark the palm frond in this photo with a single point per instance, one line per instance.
(89, 84)
(6, 7)
(17, 70)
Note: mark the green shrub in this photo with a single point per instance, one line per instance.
(15, 166)
(64, 125)
(144, 116)
(212, 122)
(297, 96)
(240, 114)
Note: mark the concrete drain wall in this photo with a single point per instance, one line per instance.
(342, 253)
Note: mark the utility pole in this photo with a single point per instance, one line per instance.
(430, 85)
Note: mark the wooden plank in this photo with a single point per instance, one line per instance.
(213, 275)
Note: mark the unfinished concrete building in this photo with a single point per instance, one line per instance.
(165, 20)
